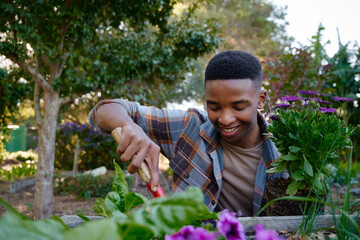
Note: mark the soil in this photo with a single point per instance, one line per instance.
(277, 188)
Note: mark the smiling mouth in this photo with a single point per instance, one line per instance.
(229, 130)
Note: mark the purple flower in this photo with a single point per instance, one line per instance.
(340, 99)
(190, 233)
(230, 227)
(321, 101)
(274, 117)
(308, 92)
(327, 110)
(291, 98)
(264, 234)
(283, 105)
(212, 222)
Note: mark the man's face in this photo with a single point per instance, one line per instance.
(232, 108)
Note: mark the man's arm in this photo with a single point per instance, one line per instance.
(134, 140)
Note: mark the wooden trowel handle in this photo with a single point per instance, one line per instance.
(143, 171)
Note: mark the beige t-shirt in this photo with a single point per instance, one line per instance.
(240, 166)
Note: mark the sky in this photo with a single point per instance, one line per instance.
(304, 17)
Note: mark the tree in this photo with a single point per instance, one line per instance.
(72, 48)
(254, 26)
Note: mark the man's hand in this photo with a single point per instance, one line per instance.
(135, 142)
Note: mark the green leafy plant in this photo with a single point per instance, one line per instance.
(96, 150)
(309, 138)
(26, 169)
(85, 185)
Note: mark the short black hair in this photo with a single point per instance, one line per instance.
(234, 65)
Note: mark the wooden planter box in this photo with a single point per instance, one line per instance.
(281, 223)
(16, 186)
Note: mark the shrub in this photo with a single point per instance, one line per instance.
(96, 150)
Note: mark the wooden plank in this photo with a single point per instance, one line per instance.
(289, 223)
(279, 223)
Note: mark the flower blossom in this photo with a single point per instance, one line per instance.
(191, 233)
(327, 110)
(230, 227)
(264, 234)
(283, 105)
(340, 99)
(274, 117)
(291, 98)
(321, 101)
(308, 92)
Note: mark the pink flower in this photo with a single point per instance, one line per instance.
(230, 227)
(264, 234)
(191, 233)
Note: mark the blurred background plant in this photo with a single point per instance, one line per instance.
(94, 149)
(86, 185)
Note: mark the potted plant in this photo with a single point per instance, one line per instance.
(309, 135)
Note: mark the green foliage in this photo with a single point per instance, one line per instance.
(12, 92)
(96, 150)
(85, 185)
(255, 26)
(27, 229)
(309, 142)
(162, 215)
(113, 48)
(343, 81)
(291, 71)
(24, 170)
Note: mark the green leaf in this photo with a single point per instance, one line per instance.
(114, 202)
(316, 181)
(103, 229)
(292, 188)
(85, 218)
(294, 149)
(271, 170)
(308, 168)
(133, 200)
(135, 231)
(292, 136)
(167, 215)
(289, 157)
(120, 184)
(100, 208)
(297, 175)
(13, 226)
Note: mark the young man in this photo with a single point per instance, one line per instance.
(223, 151)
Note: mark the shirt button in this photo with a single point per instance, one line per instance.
(186, 175)
(213, 202)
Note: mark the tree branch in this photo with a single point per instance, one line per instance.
(62, 65)
(36, 75)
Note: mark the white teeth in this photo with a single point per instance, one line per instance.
(229, 129)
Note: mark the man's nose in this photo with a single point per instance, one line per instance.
(226, 119)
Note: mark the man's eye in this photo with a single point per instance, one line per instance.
(239, 108)
(213, 108)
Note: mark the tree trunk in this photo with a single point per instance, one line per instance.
(44, 197)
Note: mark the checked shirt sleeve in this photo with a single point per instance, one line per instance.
(163, 126)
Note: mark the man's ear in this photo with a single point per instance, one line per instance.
(262, 99)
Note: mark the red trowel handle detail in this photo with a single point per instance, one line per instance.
(143, 170)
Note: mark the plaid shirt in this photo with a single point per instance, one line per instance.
(191, 143)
